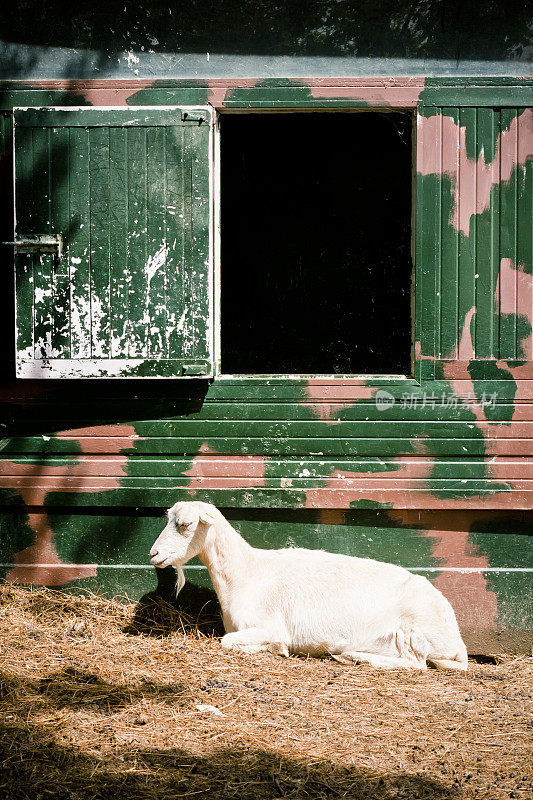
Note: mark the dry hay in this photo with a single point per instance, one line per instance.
(100, 699)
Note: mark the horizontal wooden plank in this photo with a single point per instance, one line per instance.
(413, 545)
(312, 429)
(281, 100)
(271, 420)
(328, 412)
(78, 85)
(55, 395)
(250, 390)
(484, 367)
(257, 97)
(332, 410)
(109, 368)
(498, 415)
(96, 117)
(464, 96)
(249, 467)
(390, 483)
(406, 482)
(331, 446)
(400, 499)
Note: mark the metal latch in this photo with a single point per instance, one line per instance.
(38, 244)
(193, 116)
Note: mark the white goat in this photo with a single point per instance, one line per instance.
(311, 602)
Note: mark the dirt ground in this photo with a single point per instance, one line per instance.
(102, 699)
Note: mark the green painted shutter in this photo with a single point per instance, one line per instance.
(474, 240)
(129, 191)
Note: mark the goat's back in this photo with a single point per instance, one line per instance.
(320, 597)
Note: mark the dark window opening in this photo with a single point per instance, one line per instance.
(316, 243)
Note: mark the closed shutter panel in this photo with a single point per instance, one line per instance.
(474, 241)
(129, 192)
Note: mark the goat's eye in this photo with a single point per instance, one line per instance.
(184, 528)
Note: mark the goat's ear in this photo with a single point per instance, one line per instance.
(207, 517)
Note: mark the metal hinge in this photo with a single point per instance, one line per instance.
(38, 244)
(195, 369)
(193, 116)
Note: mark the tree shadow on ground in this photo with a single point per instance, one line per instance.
(38, 764)
(79, 689)
(160, 613)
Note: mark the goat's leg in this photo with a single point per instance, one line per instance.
(375, 660)
(252, 640)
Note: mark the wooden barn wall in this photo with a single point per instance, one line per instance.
(433, 472)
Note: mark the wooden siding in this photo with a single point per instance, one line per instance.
(275, 442)
(433, 472)
(475, 242)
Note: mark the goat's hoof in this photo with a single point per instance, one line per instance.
(279, 649)
(343, 659)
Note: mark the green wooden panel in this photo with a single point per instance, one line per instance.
(44, 263)
(88, 118)
(100, 233)
(487, 247)
(155, 298)
(79, 243)
(476, 96)
(59, 221)
(175, 222)
(508, 228)
(468, 263)
(118, 241)
(201, 288)
(448, 259)
(24, 275)
(134, 212)
(137, 241)
(474, 248)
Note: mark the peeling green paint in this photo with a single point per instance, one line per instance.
(130, 193)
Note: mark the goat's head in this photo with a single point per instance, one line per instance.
(184, 535)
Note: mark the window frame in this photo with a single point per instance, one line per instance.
(356, 379)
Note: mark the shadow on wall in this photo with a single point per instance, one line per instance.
(435, 29)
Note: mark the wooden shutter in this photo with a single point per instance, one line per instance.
(129, 191)
(474, 240)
